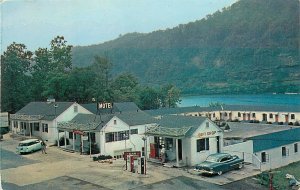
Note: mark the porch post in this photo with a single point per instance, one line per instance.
(30, 128)
(177, 156)
(81, 144)
(57, 137)
(73, 141)
(90, 143)
(65, 139)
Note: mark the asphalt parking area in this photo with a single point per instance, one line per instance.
(181, 182)
(12, 160)
(59, 183)
(226, 178)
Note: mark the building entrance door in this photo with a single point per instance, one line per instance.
(180, 149)
(264, 117)
(286, 118)
(218, 144)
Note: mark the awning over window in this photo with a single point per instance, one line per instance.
(166, 132)
(26, 117)
(70, 126)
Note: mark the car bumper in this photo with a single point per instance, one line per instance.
(21, 151)
(204, 171)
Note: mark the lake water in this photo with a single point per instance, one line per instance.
(264, 99)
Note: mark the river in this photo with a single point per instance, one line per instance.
(262, 99)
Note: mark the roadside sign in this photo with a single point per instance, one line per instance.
(84, 138)
(133, 153)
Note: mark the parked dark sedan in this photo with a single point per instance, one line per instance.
(219, 163)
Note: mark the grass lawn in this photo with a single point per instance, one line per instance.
(279, 180)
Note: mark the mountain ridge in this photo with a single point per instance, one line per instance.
(245, 48)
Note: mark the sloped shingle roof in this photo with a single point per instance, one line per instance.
(45, 109)
(117, 107)
(277, 139)
(182, 110)
(176, 126)
(247, 130)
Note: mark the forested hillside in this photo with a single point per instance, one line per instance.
(250, 47)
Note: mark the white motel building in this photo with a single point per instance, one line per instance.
(187, 140)
(39, 119)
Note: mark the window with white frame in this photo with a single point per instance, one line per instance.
(202, 144)
(263, 157)
(292, 116)
(284, 151)
(45, 127)
(134, 131)
(117, 136)
(36, 126)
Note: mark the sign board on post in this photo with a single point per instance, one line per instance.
(136, 154)
(84, 138)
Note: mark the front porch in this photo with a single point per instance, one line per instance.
(166, 145)
(77, 137)
(26, 125)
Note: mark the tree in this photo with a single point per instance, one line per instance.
(149, 99)
(56, 86)
(40, 73)
(125, 88)
(79, 86)
(101, 87)
(15, 64)
(60, 64)
(61, 57)
(169, 96)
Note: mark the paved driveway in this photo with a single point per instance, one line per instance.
(180, 182)
(59, 183)
(64, 170)
(12, 160)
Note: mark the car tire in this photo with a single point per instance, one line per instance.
(220, 172)
(241, 165)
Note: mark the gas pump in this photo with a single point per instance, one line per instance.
(141, 165)
(131, 160)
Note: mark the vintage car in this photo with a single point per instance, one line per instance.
(29, 145)
(219, 163)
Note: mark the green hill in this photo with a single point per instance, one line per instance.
(250, 47)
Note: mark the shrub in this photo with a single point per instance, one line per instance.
(280, 123)
(269, 122)
(290, 123)
(102, 157)
(62, 141)
(4, 130)
(297, 123)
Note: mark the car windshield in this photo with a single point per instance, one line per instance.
(23, 144)
(212, 159)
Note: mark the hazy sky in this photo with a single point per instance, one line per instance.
(85, 22)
